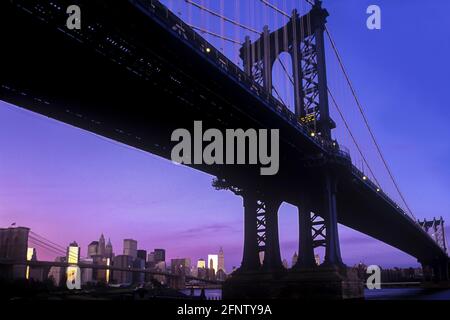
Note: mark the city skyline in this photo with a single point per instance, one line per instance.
(64, 182)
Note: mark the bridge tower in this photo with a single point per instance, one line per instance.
(438, 269)
(435, 228)
(303, 39)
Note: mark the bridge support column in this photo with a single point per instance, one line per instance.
(436, 274)
(440, 271)
(272, 255)
(250, 259)
(333, 250)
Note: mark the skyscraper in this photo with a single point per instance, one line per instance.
(101, 246)
(130, 248)
(160, 255)
(213, 262)
(56, 274)
(140, 263)
(123, 277)
(87, 275)
(73, 257)
(109, 253)
(221, 261)
(180, 266)
(73, 253)
(201, 263)
(294, 259)
(93, 249)
(142, 254)
(151, 257)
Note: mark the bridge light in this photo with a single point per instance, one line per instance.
(313, 134)
(364, 178)
(208, 50)
(378, 190)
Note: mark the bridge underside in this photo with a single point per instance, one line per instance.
(68, 80)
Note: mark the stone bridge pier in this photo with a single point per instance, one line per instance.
(262, 275)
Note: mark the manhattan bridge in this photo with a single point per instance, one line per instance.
(136, 70)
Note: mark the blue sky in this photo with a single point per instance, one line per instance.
(67, 184)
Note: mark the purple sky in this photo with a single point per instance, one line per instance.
(67, 184)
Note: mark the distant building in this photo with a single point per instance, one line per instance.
(87, 273)
(35, 273)
(201, 263)
(221, 261)
(180, 266)
(92, 249)
(73, 257)
(139, 277)
(221, 275)
(151, 257)
(109, 253)
(213, 260)
(142, 254)
(156, 256)
(58, 274)
(73, 253)
(317, 258)
(140, 263)
(13, 246)
(123, 277)
(161, 267)
(101, 246)
(294, 259)
(100, 275)
(202, 273)
(130, 248)
(160, 255)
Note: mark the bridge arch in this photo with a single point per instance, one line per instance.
(282, 79)
(288, 233)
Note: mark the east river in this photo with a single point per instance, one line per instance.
(382, 294)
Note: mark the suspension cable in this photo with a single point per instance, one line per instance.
(215, 34)
(47, 240)
(285, 70)
(352, 136)
(221, 16)
(361, 110)
(50, 245)
(275, 8)
(279, 96)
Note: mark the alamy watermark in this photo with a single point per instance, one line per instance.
(73, 281)
(374, 20)
(373, 282)
(235, 146)
(74, 19)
